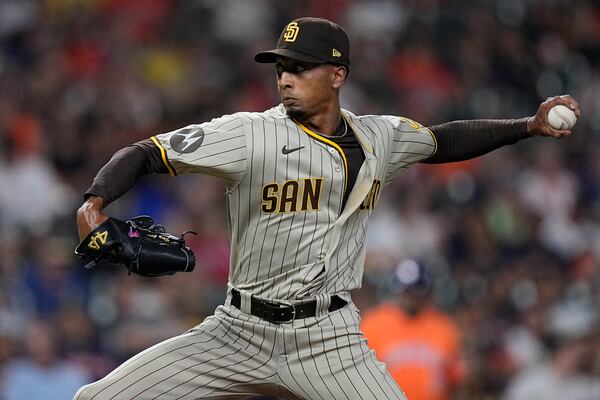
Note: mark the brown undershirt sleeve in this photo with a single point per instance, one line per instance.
(124, 168)
(462, 140)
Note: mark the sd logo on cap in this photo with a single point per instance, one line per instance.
(313, 40)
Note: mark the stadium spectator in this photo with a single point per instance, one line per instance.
(41, 373)
(419, 344)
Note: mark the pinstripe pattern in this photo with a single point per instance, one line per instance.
(233, 354)
(283, 255)
(278, 254)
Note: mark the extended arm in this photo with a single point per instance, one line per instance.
(462, 140)
(116, 178)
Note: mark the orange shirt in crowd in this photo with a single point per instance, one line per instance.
(421, 352)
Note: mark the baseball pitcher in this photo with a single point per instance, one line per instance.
(302, 180)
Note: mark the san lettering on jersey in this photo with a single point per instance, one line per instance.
(292, 196)
(305, 195)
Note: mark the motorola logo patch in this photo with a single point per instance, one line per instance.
(187, 140)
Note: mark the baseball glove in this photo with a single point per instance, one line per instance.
(144, 248)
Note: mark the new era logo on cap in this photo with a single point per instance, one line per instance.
(314, 40)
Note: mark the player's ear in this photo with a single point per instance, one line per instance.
(339, 76)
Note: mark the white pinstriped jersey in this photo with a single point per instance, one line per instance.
(290, 237)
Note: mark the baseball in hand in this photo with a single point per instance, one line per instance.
(561, 117)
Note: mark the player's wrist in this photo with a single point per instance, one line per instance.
(90, 215)
(93, 203)
(530, 126)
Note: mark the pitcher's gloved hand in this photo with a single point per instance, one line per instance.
(143, 247)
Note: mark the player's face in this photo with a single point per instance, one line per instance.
(306, 89)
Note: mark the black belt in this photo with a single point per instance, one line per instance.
(280, 313)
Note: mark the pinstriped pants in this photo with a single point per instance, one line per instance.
(233, 355)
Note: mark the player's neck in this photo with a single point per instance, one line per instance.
(326, 122)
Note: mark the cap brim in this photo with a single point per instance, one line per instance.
(270, 56)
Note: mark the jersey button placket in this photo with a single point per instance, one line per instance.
(338, 161)
(337, 158)
(332, 151)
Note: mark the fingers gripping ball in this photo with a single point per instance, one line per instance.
(143, 247)
(561, 117)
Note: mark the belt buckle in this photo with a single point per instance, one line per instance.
(293, 307)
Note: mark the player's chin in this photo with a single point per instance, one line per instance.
(294, 111)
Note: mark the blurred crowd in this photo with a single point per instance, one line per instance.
(512, 238)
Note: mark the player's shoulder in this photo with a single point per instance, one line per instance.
(278, 112)
(248, 117)
(273, 113)
(384, 121)
(358, 118)
(363, 117)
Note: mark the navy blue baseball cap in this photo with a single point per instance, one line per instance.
(314, 40)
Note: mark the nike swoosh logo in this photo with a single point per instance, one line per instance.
(288, 151)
